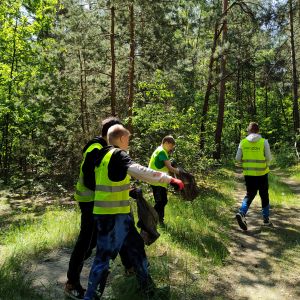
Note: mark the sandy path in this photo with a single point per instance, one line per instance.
(255, 267)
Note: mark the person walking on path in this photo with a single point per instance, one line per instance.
(115, 224)
(255, 155)
(84, 195)
(160, 161)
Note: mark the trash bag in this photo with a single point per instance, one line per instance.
(148, 218)
(191, 190)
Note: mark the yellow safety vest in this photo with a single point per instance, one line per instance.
(82, 193)
(253, 160)
(111, 197)
(152, 165)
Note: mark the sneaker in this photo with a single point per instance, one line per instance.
(267, 221)
(129, 272)
(241, 221)
(74, 291)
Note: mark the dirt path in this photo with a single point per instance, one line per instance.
(263, 262)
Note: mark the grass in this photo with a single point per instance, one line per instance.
(193, 242)
(280, 193)
(295, 172)
(26, 234)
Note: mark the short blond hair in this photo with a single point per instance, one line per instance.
(115, 132)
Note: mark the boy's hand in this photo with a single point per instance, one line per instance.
(177, 183)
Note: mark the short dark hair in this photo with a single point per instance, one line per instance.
(107, 123)
(168, 139)
(253, 127)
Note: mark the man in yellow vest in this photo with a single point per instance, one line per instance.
(160, 161)
(115, 223)
(255, 155)
(84, 194)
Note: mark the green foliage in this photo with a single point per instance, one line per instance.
(285, 155)
(156, 115)
(55, 65)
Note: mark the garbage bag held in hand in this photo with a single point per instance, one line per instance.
(148, 219)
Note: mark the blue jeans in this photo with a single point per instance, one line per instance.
(254, 184)
(113, 232)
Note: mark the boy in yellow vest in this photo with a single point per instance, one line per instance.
(115, 225)
(84, 195)
(255, 155)
(160, 161)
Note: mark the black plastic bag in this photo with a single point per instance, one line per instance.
(148, 218)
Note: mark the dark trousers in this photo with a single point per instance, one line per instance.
(86, 242)
(161, 200)
(254, 184)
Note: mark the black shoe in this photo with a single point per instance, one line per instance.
(129, 272)
(241, 221)
(267, 222)
(73, 291)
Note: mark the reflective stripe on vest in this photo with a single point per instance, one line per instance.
(253, 160)
(112, 203)
(111, 197)
(152, 165)
(112, 189)
(82, 193)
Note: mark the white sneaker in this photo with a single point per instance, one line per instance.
(241, 221)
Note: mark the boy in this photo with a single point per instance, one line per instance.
(160, 161)
(115, 224)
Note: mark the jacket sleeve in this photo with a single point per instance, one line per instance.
(88, 169)
(268, 154)
(145, 174)
(239, 154)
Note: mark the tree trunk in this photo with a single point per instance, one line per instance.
(254, 94)
(218, 133)
(283, 110)
(7, 138)
(295, 77)
(113, 63)
(82, 92)
(131, 68)
(266, 100)
(208, 89)
(238, 100)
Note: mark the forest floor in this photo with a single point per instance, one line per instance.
(264, 262)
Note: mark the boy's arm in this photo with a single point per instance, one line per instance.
(170, 168)
(151, 176)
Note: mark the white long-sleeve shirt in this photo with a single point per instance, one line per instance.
(145, 174)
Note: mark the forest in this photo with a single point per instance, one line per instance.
(157, 65)
(199, 70)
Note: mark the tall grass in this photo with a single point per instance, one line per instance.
(295, 172)
(194, 240)
(27, 240)
(280, 193)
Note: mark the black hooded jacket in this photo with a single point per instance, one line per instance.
(88, 166)
(117, 168)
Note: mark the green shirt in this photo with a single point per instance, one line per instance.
(160, 159)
